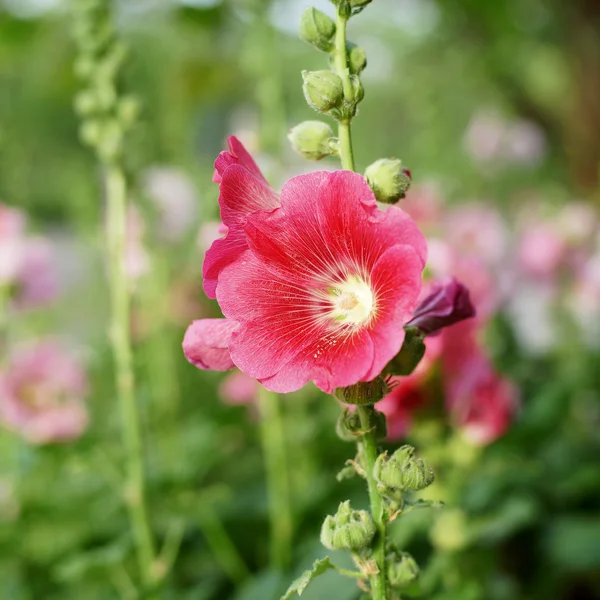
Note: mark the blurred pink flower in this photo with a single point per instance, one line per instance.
(12, 241)
(37, 281)
(41, 394)
(175, 199)
(137, 260)
(238, 388)
(541, 250)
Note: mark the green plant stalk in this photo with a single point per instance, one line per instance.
(278, 487)
(369, 453)
(340, 62)
(116, 192)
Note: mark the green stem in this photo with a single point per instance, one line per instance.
(369, 453)
(116, 193)
(341, 68)
(223, 549)
(273, 443)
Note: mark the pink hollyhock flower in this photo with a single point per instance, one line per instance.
(323, 291)
(12, 242)
(446, 303)
(244, 191)
(480, 401)
(41, 394)
(137, 260)
(37, 280)
(541, 250)
(238, 388)
(206, 344)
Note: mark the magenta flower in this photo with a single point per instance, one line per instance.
(320, 289)
(41, 394)
(244, 190)
(448, 302)
(238, 388)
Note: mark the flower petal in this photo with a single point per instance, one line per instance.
(205, 344)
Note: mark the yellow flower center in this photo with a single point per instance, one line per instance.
(352, 301)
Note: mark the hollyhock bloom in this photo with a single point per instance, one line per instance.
(41, 394)
(243, 191)
(541, 250)
(482, 403)
(323, 291)
(137, 260)
(37, 280)
(238, 388)
(446, 303)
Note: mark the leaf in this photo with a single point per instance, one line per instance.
(299, 585)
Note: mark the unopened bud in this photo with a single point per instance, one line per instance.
(358, 3)
(313, 140)
(359, 90)
(410, 355)
(363, 392)
(349, 427)
(388, 179)
(323, 90)
(402, 470)
(357, 58)
(348, 529)
(402, 569)
(317, 29)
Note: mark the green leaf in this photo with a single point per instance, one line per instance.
(299, 585)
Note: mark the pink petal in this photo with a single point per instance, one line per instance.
(237, 155)
(205, 344)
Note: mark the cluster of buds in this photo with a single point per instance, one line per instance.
(336, 92)
(402, 471)
(348, 529)
(105, 115)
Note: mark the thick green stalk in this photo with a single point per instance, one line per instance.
(369, 453)
(116, 192)
(278, 489)
(341, 68)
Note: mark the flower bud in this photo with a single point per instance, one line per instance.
(402, 569)
(447, 303)
(349, 428)
(410, 355)
(348, 529)
(388, 179)
(358, 3)
(402, 470)
(363, 392)
(317, 29)
(359, 90)
(323, 90)
(357, 58)
(313, 140)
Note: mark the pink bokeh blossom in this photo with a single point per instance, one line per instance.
(42, 390)
(238, 388)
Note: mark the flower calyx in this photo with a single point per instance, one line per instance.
(323, 91)
(410, 355)
(363, 392)
(402, 471)
(349, 428)
(348, 529)
(388, 179)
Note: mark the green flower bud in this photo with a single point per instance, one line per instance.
(349, 428)
(357, 58)
(402, 569)
(313, 140)
(402, 470)
(90, 132)
(358, 3)
(323, 90)
(348, 529)
(449, 531)
(410, 355)
(388, 179)
(317, 29)
(363, 392)
(359, 90)
(128, 110)
(86, 103)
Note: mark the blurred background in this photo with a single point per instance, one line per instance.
(495, 109)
